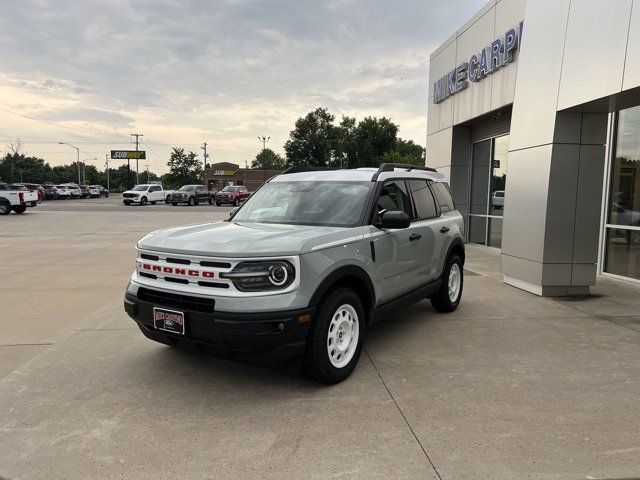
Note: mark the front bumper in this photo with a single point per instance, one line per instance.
(265, 338)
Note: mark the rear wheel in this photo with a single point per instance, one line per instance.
(448, 296)
(20, 209)
(5, 208)
(335, 340)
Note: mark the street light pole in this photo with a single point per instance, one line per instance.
(77, 158)
(264, 139)
(106, 157)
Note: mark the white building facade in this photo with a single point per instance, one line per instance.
(534, 117)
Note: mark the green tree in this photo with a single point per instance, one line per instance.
(313, 140)
(267, 159)
(405, 151)
(18, 167)
(184, 168)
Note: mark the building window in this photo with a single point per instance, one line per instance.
(622, 236)
(488, 180)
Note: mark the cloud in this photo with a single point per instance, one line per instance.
(222, 71)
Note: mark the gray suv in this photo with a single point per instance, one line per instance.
(299, 272)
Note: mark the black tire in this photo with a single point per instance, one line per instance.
(167, 200)
(316, 360)
(236, 203)
(20, 209)
(192, 201)
(174, 204)
(5, 208)
(441, 300)
(143, 201)
(218, 204)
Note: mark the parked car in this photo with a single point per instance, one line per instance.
(497, 199)
(191, 195)
(74, 189)
(63, 192)
(103, 191)
(34, 187)
(299, 272)
(232, 194)
(50, 192)
(146, 193)
(16, 198)
(90, 191)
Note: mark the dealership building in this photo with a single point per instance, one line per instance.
(534, 117)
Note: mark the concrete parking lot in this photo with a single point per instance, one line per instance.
(509, 386)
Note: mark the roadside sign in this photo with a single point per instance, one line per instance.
(128, 154)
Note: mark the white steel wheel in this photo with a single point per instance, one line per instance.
(455, 282)
(343, 335)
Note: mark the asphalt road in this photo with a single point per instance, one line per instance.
(509, 386)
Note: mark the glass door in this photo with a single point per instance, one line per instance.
(622, 230)
(488, 180)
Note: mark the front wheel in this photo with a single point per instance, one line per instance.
(192, 201)
(20, 209)
(448, 296)
(143, 201)
(335, 340)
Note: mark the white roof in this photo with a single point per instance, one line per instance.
(356, 175)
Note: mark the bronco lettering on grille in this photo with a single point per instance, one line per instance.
(178, 271)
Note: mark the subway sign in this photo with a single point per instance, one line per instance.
(128, 154)
(501, 52)
(224, 173)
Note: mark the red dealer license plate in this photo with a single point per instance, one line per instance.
(168, 320)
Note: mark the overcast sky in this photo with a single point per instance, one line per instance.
(183, 72)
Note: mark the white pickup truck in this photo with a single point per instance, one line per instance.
(146, 193)
(16, 198)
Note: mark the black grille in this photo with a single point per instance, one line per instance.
(176, 280)
(182, 261)
(175, 300)
(128, 195)
(213, 284)
(216, 264)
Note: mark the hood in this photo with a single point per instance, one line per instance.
(227, 239)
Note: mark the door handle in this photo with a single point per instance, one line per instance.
(444, 229)
(414, 236)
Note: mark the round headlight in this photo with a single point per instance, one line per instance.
(278, 275)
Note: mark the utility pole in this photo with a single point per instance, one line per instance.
(106, 157)
(204, 162)
(137, 135)
(264, 139)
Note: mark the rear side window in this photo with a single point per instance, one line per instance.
(394, 197)
(423, 200)
(443, 196)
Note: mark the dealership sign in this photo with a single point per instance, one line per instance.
(129, 154)
(501, 52)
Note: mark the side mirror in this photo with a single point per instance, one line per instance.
(394, 219)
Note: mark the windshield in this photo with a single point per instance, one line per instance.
(140, 188)
(339, 204)
(187, 188)
(230, 189)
